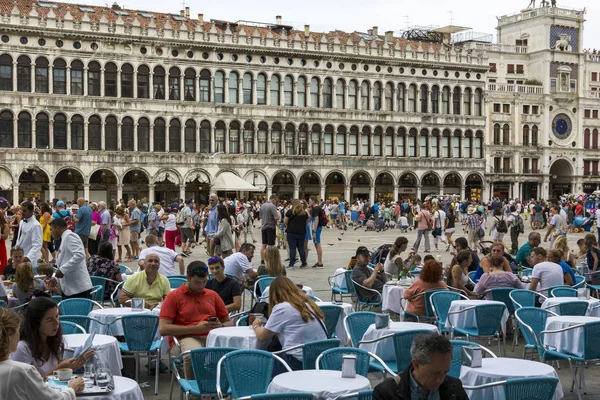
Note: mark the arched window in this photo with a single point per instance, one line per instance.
(353, 141)
(534, 135)
(446, 144)
(160, 135)
(446, 100)
(377, 99)
(263, 129)
(275, 89)
(328, 140)
(340, 94)
(327, 93)
(400, 98)
(435, 99)
(189, 84)
(6, 74)
(59, 76)
(365, 91)
(190, 136)
(435, 143)
(586, 139)
(315, 139)
(505, 134)
(110, 80)
(234, 137)
(94, 133)
(41, 75)
(158, 82)
(301, 90)
(42, 131)
(477, 145)
(456, 144)
(314, 92)
(389, 95)
(412, 98)
(127, 134)
(23, 74)
(174, 78)
(288, 91)
(478, 102)
(261, 89)
(526, 135)
(94, 79)
(248, 137)
(424, 98)
(220, 136)
(290, 133)
(247, 88)
(340, 140)
(496, 138)
(143, 135)
(467, 145)
(424, 143)
(456, 101)
(389, 142)
(303, 140)
(77, 78)
(24, 130)
(174, 136)
(353, 95)
(595, 139)
(219, 87)
(110, 134)
(143, 82)
(205, 86)
(377, 139)
(127, 81)
(412, 142)
(6, 129)
(233, 87)
(77, 139)
(276, 138)
(60, 132)
(467, 96)
(365, 148)
(401, 143)
(205, 137)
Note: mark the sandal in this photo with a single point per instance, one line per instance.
(128, 260)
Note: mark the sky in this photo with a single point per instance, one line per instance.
(351, 15)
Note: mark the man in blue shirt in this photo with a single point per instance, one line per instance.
(212, 225)
(83, 223)
(555, 256)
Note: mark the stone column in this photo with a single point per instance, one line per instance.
(151, 138)
(50, 79)
(102, 83)
(182, 191)
(295, 93)
(150, 85)
(212, 140)
(240, 92)
(16, 133)
(16, 193)
(544, 193)
(85, 136)
(320, 95)
(254, 96)
(134, 93)
(51, 134)
(181, 87)
(463, 192)
(119, 87)
(419, 187)
(269, 190)
(395, 192)
(268, 93)
(322, 193)
(51, 190)
(226, 90)
(32, 77)
(68, 134)
(85, 82)
(86, 191)
(151, 193)
(347, 193)
(14, 88)
(119, 127)
(135, 137)
(372, 194)
(296, 191)
(197, 88)
(68, 80)
(119, 190)
(33, 134)
(269, 137)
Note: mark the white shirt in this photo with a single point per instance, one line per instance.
(71, 262)
(439, 218)
(237, 264)
(403, 221)
(167, 259)
(598, 214)
(549, 274)
(171, 223)
(22, 382)
(30, 238)
(23, 354)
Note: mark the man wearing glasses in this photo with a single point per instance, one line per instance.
(363, 275)
(191, 311)
(212, 225)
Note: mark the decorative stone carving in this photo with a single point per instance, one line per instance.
(166, 176)
(563, 43)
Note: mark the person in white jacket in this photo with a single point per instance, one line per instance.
(30, 233)
(21, 381)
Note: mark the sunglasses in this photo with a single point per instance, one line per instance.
(199, 269)
(214, 259)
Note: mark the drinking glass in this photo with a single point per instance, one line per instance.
(88, 374)
(103, 376)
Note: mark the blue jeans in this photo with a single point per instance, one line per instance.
(296, 240)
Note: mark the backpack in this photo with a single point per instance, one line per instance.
(322, 218)
(501, 227)
(179, 217)
(518, 225)
(67, 218)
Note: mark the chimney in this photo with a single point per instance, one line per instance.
(200, 18)
(389, 36)
(306, 30)
(375, 33)
(278, 19)
(187, 12)
(370, 32)
(181, 13)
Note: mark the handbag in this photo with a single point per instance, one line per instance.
(437, 231)
(481, 233)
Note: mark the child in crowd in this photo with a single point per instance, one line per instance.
(45, 271)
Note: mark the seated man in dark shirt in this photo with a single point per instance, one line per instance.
(227, 288)
(363, 275)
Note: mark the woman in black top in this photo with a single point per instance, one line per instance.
(295, 221)
(450, 228)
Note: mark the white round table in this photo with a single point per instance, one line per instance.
(125, 389)
(499, 369)
(340, 332)
(323, 384)
(468, 318)
(106, 349)
(108, 316)
(593, 304)
(393, 298)
(239, 337)
(570, 341)
(385, 348)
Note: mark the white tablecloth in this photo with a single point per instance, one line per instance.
(569, 341)
(499, 369)
(109, 316)
(125, 389)
(385, 348)
(106, 349)
(324, 384)
(593, 304)
(339, 328)
(338, 278)
(393, 299)
(583, 269)
(239, 337)
(468, 319)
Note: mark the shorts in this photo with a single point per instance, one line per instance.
(450, 230)
(268, 236)
(134, 236)
(318, 235)
(84, 240)
(187, 235)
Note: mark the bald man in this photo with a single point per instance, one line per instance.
(148, 284)
(83, 223)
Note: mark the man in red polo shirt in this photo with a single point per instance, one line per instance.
(192, 311)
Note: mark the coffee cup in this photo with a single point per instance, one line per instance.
(63, 374)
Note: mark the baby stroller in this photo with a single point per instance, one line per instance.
(379, 255)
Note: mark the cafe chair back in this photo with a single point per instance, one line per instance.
(365, 361)
(522, 298)
(282, 396)
(575, 307)
(457, 346)
(98, 293)
(532, 321)
(82, 320)
(440, 304)
(71, 328)
(77, 306)
(176, 282)
(333, 314)
(357, 323)
(534, 388)
(362, 395)
(402, 342)
(312, 350)
(204, 363)
(429, 316)
(563, 292)
(488, 318)
(366, 297)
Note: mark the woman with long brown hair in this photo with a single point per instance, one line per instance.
(295, 220)
(294, 318)
(25, 283)
(273, 265)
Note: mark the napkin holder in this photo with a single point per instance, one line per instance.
(382, 321)
(348, 366)
(472, 356)
(137, 304)
(583, 293)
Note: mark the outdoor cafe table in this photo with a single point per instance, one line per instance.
(500, 369)
(125, 389)
(340, 331)
(468, 318)
(593, 304)
(385, 348)
(106, 349)
(392, 298)
(570, 341)
(323, 384)
(109, 316)
(239, 337)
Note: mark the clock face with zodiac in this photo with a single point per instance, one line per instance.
(562, 126)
